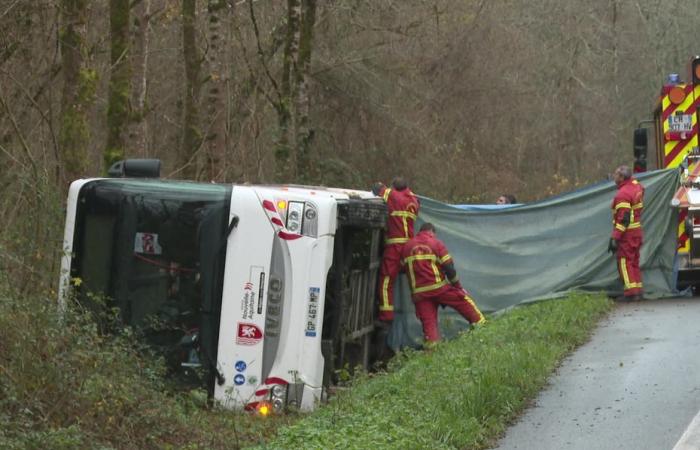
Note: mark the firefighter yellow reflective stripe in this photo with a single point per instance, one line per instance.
(408, 214)
(405, 227)
(620, 227)
(384, 304)
(622, 205)
(445, 258)
(638, 205)
(387, 191)
(436, 271)
(625, 275)
(411, 275)
(396, 240)
(428, 257)
(469, 300)
(431, 287)
(632, 226)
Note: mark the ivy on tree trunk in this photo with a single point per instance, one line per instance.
(118, 109)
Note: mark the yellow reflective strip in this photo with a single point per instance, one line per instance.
(619, 227)
(622, 205)
(432, 287)
(445, 258)
(638, 205)
(384, 305)
(625, 276)
(634, 225)
(396, 240)
(403, 214)
(436, 271)
(425, 257)
(386, 194)
(411, 275)
(469, 300)
(405, 227)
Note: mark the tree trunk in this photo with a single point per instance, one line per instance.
(78, 90)
(192, 135)
(140, 40)
(217, 113)
(118, 110)
(284, 163)
(303, 134)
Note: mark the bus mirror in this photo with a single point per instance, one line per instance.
(640, 143)
(135, 168)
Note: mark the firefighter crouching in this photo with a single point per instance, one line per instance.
(626, 239)
(402, 206)
(434, 282)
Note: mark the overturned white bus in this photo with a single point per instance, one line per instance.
(259, 293)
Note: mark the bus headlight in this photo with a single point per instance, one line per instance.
(294, 216)
(278, 390)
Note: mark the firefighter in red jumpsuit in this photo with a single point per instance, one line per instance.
(434, 282)
(402, 207)
(626, 239)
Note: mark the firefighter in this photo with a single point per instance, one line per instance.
(402, 205)
(626, 239)
(506, 199)
(434, 282)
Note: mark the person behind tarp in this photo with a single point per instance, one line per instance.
(506, 199)
(402, 206)
(434, 282)
(626, 239)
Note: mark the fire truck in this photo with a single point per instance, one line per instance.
(675, 130)
(261, 294)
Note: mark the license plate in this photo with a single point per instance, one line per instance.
(680, 123)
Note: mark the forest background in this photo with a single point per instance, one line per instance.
(466, 98)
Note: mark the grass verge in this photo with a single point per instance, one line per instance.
(461, 395)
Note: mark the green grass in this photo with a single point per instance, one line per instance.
(64, 385)
(461, 395)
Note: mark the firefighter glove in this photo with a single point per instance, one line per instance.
(612, 245)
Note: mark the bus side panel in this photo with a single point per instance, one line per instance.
(239, 357)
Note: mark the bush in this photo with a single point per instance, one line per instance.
(64, 384)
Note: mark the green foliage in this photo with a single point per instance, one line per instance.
(65, 385)
(462, 393)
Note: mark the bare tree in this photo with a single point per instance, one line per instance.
(217, 91)
(192, 135)
(118, 110)
(303, 133)
(136, 138)
(78, 90)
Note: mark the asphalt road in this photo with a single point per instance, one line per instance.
(635, 385)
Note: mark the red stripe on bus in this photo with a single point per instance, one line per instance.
(268, 205)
